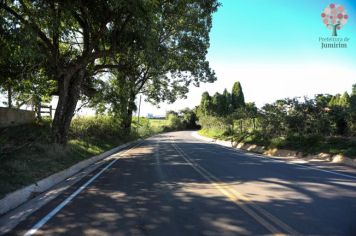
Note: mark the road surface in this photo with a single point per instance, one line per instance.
(173, 184)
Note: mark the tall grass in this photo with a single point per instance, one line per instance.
(27, 154)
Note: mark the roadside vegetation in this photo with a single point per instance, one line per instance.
(325, 123)
(27, 153)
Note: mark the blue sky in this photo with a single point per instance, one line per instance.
(272, 47)
(277, 31)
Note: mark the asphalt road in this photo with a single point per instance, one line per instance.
(173, 184)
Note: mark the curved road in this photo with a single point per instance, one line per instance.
(173, 184)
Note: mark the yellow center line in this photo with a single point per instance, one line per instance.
(239, 199)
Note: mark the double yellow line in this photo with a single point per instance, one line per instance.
(247, 205)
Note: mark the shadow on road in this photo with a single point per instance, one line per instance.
(155, 191)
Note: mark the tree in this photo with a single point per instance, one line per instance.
(353, 92)
(72, 37)
(227, 102)
(173, 55)
(339, 108)
(218, 106)
(334, 17)
(205, 106)
(322, 100)
(237, 96)
(175, 122)
(345, 100)
(19, 67)
(352, 113)
(353, 97)
(171, 112)
(112, 99)
(189, 118)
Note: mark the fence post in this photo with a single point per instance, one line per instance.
(50, 111)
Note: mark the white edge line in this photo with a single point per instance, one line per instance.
(281, 161)
(319, 169)
(45, 219)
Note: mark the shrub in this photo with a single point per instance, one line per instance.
(175, 122)
(95, 127)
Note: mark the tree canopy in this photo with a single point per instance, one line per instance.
(157, 48)
(223, 104)
(323, 115)
(237, 96)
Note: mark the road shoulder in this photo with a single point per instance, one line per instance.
(348, 167)
(17, 206)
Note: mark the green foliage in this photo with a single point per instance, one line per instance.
(213, 133)
(215, 124)
(27, 154)
(352, 114)
(95, 129)
(22, 76)
(206, 105)
(171, 57)
(189, 118)
(225, 104)
(157, 125)
(171, 112)
(174, 122)
(178, 47)
(182, 120)
(157, 48)
(308, 125)
(323, 115)
(237, 96)
(218, 104)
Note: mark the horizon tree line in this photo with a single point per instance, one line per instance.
(323, 115)
(222, 104)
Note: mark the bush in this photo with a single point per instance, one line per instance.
(95, 127)
(175, 122)
(214, 123)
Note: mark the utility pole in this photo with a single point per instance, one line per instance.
(138, 114)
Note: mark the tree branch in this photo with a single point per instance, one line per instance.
(33, 26)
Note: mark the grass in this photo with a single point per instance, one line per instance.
(214, 133)
(27, 155)
(306, 144)
(158, 123)
(149, 127)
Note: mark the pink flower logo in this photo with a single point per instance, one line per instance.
(334, 17)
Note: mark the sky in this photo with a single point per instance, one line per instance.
(272, 47)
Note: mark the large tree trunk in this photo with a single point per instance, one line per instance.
(69, 92)
(130, 109)
(128, 120)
